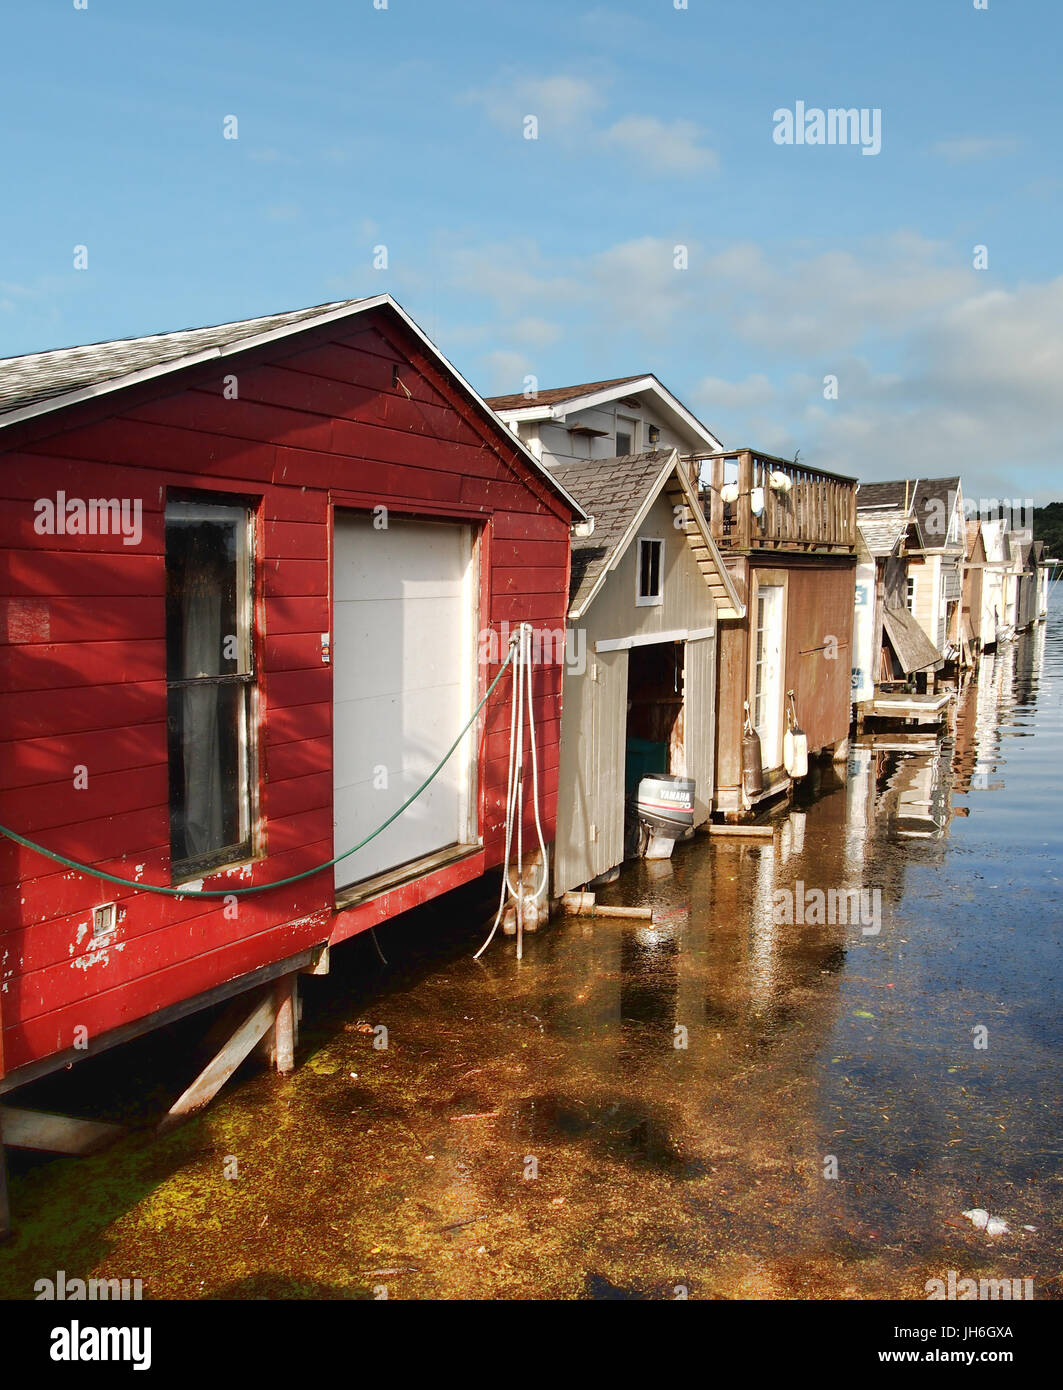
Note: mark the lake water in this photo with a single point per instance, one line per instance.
(728, 1102)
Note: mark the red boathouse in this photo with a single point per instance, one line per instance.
(244, 580)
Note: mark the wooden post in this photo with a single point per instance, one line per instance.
(5, 1209)
(214, 1076)
(57, 1134)
(284, 991)
(716, 502)
(745, 511)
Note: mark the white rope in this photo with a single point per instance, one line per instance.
(510, 794)
(544, 880)
(522, 693)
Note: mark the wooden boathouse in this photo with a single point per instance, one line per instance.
(787, 534)
(649, 590)
(245, 577)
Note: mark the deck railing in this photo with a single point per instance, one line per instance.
(781, 505)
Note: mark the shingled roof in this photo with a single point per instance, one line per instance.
(617, 492)
(613, 491)
(927, 498)
(555, 395)
(882, 530)
(40, 376)
(41, 382)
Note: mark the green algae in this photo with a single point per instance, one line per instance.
(533, 1130)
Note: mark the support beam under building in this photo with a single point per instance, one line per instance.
(5, 1209)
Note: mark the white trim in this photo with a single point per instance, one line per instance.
(738, 608)
(360, 306)
(649, 639)
(563, 409)
(629, 425)
(518, 414)
(649, 600)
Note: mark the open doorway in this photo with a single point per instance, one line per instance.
(654, 738)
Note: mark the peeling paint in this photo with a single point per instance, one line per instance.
(101, 957)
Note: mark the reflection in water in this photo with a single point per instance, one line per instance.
(536, 1131)
(649, 982)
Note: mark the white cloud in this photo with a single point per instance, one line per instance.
(978, 394)
(974, 147)
(668, 146)
(560, 102)
(511, 274)
(716, 394)
(567, 109)
(505, 372)
(939, 369)
(534, 332)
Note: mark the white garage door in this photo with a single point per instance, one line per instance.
(403, 673)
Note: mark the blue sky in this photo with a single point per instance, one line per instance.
(360, 127)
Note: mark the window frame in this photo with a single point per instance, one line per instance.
(220, 507)
(628, 425)
(653, 600)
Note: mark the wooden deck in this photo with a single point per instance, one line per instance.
(780, 505)
(922, 709)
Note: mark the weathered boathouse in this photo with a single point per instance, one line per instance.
(648, 591)
(245, 577)
(787, 534)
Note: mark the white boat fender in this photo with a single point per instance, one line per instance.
(794, 744)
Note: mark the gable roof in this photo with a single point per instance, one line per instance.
(1022, 548)
(562, 401)
(995, 540)
(974, 539)
(924, 496)
(41, 382)
(42, 376)
(881, 530)
(557, 394)
(619, 493)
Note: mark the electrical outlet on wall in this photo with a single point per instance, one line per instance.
(104, 919)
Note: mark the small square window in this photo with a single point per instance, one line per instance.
(648, 583)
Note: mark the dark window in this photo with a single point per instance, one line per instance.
(210, 683)
(626, 436)
(649, 576)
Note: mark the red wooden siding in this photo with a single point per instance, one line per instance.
(319, 420)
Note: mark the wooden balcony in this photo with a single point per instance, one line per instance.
(799, 508)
